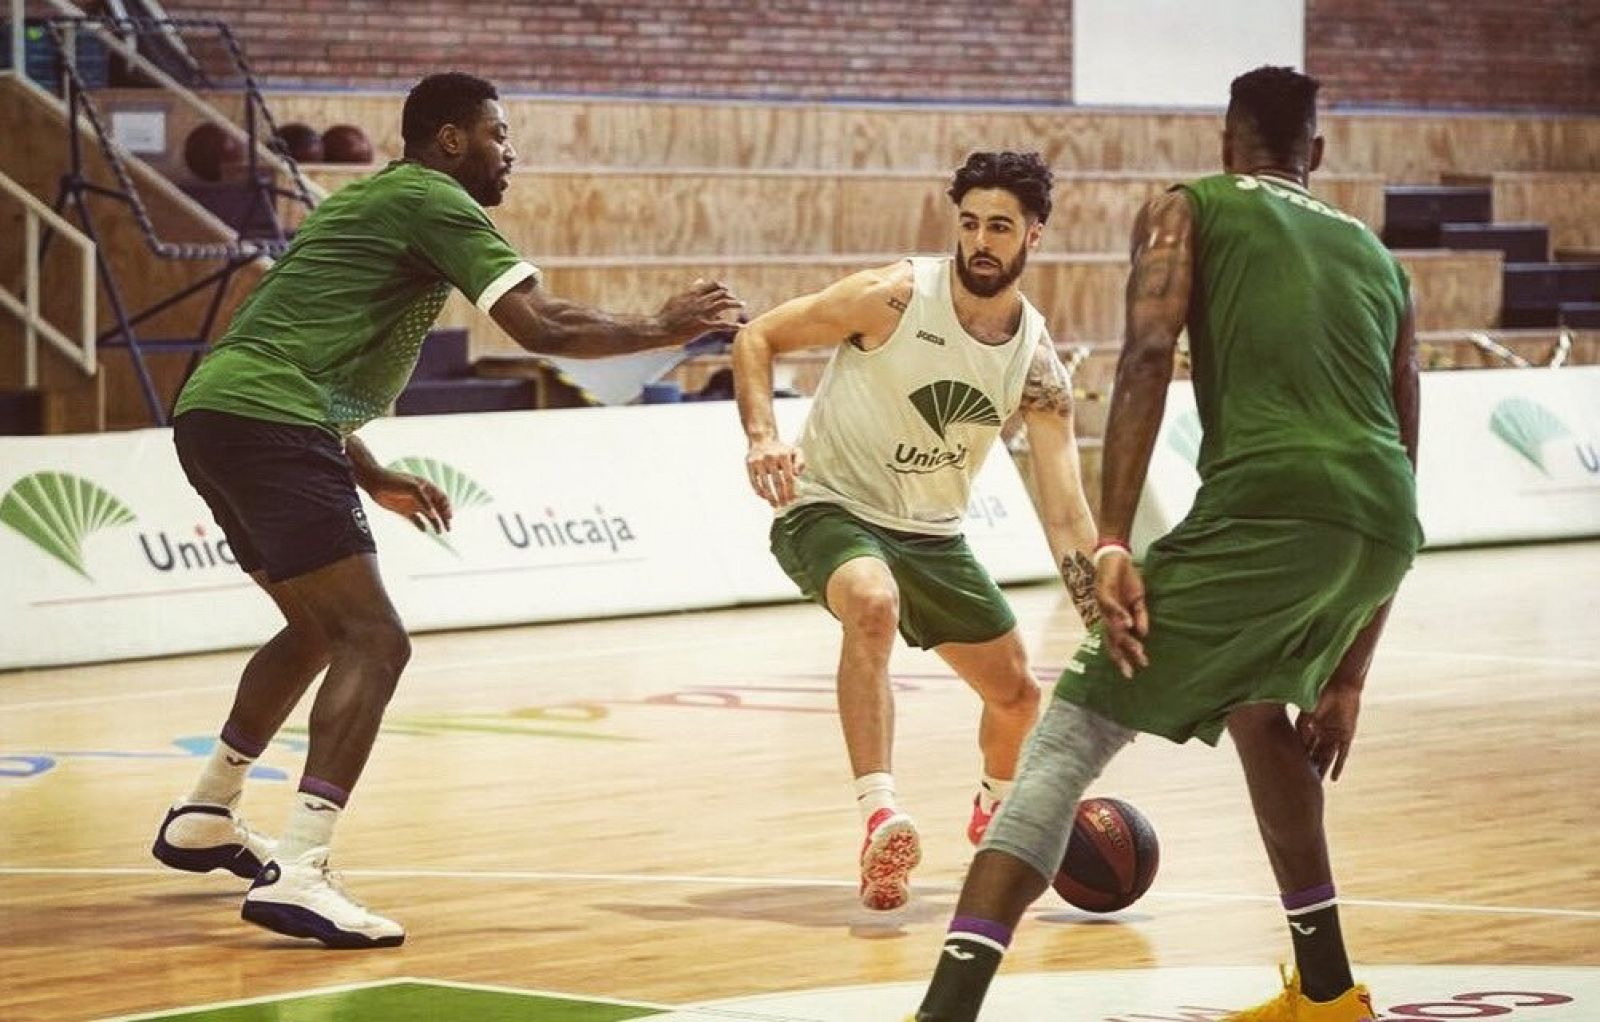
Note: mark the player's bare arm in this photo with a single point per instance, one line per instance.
(547, 325)
(1330, 729)
(1046, 411)
(862, 310)
(1157, 304)
(411, 497)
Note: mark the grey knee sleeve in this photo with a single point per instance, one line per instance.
(1066, 752)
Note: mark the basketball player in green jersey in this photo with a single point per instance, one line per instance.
(264, 431)
(1273, 590)
(931, 357)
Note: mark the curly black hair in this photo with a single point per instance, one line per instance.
(451, 97)
(1024, 175)
(1281, 104)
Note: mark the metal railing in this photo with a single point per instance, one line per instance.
(26, 307)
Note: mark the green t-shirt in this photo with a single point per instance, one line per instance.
(331, 335)
(1292, 326)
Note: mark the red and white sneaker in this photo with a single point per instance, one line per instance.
(889, 854)
(979, 824)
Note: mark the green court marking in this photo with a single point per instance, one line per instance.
(410, 1001)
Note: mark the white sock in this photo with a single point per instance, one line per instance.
(310, 826)
(993, 791)
(874, 792)
(222, 781)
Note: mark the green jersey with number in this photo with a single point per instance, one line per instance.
(1296, 307)
(331, 335)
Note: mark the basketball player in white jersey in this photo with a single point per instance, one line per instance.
(932, 356)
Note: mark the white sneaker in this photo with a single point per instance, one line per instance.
(199, 838)
(304, 898)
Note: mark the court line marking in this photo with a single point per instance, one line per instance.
(245, 1002)
(737, 1014)
(792, 882)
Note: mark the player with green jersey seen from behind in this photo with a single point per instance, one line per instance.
(1274, 588)
(264, 431)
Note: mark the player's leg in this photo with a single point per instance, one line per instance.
(368, 648)
(1020, 853)
(998, 671)
(863, 595)
(203, 831)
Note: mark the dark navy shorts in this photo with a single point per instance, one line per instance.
(283, 494)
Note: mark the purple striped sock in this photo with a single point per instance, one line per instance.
(1305, 899)
(982, 928)
(239, 742)
(322, 789)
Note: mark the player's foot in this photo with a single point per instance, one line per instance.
(1354, 1005)
(979, 824)
(303, 898)
(889, 854)
(200, 838)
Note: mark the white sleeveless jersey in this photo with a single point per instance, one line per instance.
(896, 434)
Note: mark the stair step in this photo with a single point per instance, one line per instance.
(1580, 315)
(1412, 213)
(21, 413)
(443, 397)
(1547, 285)
(1520, 243)
(444, 356)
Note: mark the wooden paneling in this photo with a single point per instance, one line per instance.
(143, 278)
(1568, 203)
(1398, 147)
(717, 213)
(1456, 290)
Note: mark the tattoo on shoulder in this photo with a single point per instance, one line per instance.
(1077, 571)
(896, 304)
(1047, 387)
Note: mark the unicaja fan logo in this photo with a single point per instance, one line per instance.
(462, 489)
(943, 404)
(56, 512)
(1539, 435)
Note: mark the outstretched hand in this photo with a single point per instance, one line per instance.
(703, 306)
(413, 498)
(1120, 591)
(1330, 729)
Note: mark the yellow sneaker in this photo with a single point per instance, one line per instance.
(1354, 1005)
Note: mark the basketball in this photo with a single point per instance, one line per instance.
(346, 143)
(301, 142)
(209, 150)
(1111, 858)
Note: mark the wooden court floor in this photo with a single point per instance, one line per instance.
(658, 809)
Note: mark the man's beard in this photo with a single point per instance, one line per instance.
(989, 287)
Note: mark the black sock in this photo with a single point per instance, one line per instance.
(971, 955)
(1319, 952)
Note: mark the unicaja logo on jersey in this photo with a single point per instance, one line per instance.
(56, 512)
(462, 489)
(942, 405)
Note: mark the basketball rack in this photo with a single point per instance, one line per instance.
(234, 254)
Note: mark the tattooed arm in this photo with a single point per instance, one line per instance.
(1063, 509)
(1157, 307)
(862, 310)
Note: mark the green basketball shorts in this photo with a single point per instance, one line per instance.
(945, 594)
(1242, 610)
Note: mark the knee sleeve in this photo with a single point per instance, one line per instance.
(1066, 752)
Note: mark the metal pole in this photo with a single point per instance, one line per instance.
(19, 50)
(30, 295)
(86, 302)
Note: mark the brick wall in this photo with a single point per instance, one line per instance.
(1502, 54)
(999, 50)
